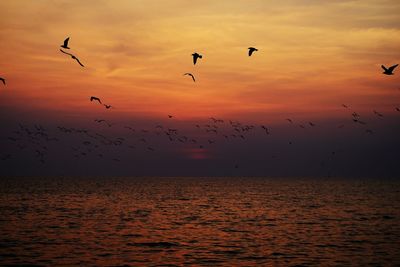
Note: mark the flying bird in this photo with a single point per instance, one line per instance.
(345, 106)
(289, 120)
(93, 98)
(378, 114)
(195, 57)
(73, 57)
(389, 71)
(191, 75)
(251, 50)
(65, 45)
(170, 116)
(108, 106)
(3, 80)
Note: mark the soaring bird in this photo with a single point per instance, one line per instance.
(345, 106)
(378, 114)
(389, 71)
(65, 45)
(195, 57)
(95, 98)
(108, 106)
(73, 57)
(191, 75)
(289, 120)
(251, 50)
(3, 80)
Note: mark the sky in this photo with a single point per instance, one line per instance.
(313, 56)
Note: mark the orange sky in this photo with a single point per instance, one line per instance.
(312, 57)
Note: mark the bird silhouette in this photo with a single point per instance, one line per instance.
(170, 116)
(389, 71)
(3, 80)
(378, 114)
(93, 98)
(195, 57)
(108, 106)
(73, 57)
(191, 75)
(65, 45)
(289, 120)
(345, 106)
(251, 50)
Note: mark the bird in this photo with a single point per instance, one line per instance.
(191, 75)
(73, 57)
(170, 116)
(65, 45)
(92, 98)
(251, 50)
(289, 120)
(378, 114)
(108, 106)
(389, 71)
(3, 80)
(195, 57)
(345, 106)
(311, 124)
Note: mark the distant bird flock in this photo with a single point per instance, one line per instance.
(37, 137)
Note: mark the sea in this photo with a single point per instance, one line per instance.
(199, 221)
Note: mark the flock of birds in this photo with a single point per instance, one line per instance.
(37, 138)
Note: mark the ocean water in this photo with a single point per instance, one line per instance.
(199, 222)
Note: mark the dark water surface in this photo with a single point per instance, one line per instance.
(199, 222)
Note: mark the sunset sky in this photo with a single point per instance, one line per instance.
(313, 57)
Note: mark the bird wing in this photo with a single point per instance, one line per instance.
(193, 77)
(79, 61)
(250, 52)
(66, 42)
(3, 80)
(393, 67)
(194, 59)
(66, 53)
(384, 68)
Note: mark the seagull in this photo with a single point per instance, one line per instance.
(195, 57)
(3, 80)
(95, 98)
(251, 50)
(72, 56)
(108, 106)
(191, 75)
(378, 114)
(389, 71)
(65, 45)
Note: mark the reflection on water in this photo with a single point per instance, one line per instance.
(199, 222)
